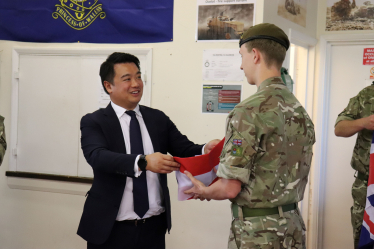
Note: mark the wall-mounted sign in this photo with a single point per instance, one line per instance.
(368, 56)
(220, 98)
(222, 65)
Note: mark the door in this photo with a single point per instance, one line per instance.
(348, 77)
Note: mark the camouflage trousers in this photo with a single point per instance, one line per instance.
(359, 189)
(268, 232)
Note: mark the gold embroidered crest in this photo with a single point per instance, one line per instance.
(79, 14)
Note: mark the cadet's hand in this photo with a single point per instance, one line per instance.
(198, 189)
(209, 146)
(368, 122)
(160, 163)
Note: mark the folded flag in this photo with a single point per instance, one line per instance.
(367, 230)
(201, 167)
(94, 21)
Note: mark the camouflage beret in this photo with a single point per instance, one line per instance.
(265, 31)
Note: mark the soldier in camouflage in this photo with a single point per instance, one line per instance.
(265, 162)
(2, 139)
(358, 117)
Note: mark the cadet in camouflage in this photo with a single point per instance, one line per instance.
(358, 118)
(276, 136)
(2, 140)
(268, 151)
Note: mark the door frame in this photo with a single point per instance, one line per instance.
(318, 171)
(300, 39)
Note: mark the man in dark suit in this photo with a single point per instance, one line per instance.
(128, 205)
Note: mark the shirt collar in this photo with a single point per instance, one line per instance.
(270, 81)
(119, 110)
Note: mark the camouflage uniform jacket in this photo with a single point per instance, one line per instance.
(268, 147)
(2, 139)
(360, 106)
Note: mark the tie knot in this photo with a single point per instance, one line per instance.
(131, 113)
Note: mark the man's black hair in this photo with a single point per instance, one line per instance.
(107, 68)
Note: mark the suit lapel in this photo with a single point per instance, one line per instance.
(151, 127)
(113, 130)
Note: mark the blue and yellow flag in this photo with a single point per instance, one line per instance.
(93, 21)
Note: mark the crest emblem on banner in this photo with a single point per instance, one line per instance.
(79, 14)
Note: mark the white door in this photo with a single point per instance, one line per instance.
(348, 76)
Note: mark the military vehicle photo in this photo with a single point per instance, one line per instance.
(349, 15)
(293, 10)
(224, 22)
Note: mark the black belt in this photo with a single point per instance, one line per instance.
(254, 212)
(361, 176)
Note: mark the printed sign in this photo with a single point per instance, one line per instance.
(222, 65)
(368, 56)
(220, 98)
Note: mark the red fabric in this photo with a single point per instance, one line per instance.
(201, 164)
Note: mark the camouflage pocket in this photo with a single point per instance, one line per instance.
(264, 230)
(359, 189)
(268, 232)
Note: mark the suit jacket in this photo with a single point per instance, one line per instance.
(104, 149)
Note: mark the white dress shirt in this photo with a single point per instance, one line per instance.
(155, 197)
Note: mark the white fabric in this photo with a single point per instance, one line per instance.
(370, 191)
(126, 210)
(184, 183)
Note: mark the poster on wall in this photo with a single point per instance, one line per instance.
(349, 15)
(224, 20)
(220, 98)
(293, 10)
(222, 65)
(368, 56)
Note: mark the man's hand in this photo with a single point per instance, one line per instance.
(160, 163)
(198, 189)
(347, 128)
(368, 122)
(209, 146)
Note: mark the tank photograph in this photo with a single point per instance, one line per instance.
(224, 22)
(293, 10)
(350, 15)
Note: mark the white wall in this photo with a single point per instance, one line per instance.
(34, 219)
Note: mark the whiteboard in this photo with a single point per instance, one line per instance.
(52, 90)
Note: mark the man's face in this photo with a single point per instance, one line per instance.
(247, 63)
(127, 88)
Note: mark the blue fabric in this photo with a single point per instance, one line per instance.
(366, 237)
(92, 21)
(140, 189)
(365, 241)
(371, 199)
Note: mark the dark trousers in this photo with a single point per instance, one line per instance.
(144, 234)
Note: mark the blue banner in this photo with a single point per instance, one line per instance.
(92, 21)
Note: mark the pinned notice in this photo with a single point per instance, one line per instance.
(368, 56)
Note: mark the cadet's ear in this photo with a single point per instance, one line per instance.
(108, 87)
(256, 55)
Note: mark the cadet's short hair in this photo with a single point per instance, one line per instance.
(273, 52)
(107, 68)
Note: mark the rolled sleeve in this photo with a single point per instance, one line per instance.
(236, 157)
(351, 111)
